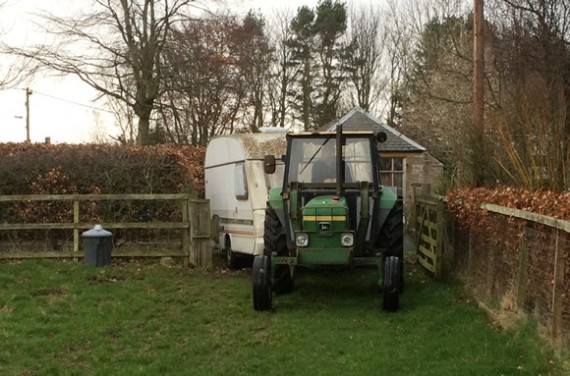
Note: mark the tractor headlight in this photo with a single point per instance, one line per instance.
(301, 239)
(347, 239)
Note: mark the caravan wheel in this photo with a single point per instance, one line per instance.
(231, 258)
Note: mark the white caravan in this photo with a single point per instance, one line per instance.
(238, 188)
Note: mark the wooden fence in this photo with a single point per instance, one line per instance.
(540, 272)
(525, 268)
(194, 226)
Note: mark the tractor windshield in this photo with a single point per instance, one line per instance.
(313, 160)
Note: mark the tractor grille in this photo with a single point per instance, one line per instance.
(325, 219)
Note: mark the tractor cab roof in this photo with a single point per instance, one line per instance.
(331, 134)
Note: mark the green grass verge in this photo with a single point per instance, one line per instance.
(68, 319)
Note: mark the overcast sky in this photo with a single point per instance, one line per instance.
(63, 108)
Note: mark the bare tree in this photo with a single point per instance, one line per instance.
(250, 46)
(528, 110)
(365, 39)
(115, 47)
(430, 59)
(400, 35)
(206, 91)
(527, 130)
(125, 120)
(282, 74)
(12, 68)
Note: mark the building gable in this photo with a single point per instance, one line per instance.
(359, 120)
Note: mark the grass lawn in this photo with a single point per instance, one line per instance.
(61, 318)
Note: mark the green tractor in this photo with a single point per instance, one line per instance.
(330, 212)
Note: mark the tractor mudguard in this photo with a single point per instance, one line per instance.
(275, 201)
(388, 199)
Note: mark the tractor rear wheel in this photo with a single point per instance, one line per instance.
(260, 276)
(275, 241)
(392, 237)
(391, 286)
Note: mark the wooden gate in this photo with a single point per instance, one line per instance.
(430, 225)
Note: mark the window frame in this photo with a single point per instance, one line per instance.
(392, 172)
(240, 182)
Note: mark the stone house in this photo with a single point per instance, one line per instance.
(404, 163)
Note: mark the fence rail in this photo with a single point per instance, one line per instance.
(194, 226)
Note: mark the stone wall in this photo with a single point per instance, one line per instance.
(421, 170)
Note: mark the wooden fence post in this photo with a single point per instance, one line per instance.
(490, 274)
(522, 276)
(557, 293)
(439, 241)
(194, 256)
(200, 249)
(205, 234)
(185, 239)
(75, 228)
(469, 253)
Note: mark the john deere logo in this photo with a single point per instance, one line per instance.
(324, 226)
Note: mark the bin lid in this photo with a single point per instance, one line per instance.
(97, 232)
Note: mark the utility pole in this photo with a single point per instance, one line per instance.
(28, 93)
(479, 158)
(478, 67)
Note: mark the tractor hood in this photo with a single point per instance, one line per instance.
(328, 212)
(329, 201)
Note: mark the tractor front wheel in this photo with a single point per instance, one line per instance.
(261, 283)
(392, 237)
(391, 286)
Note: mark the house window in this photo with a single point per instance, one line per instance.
(392, 173)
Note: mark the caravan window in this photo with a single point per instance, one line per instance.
(240, 181)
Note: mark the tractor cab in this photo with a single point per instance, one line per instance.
(327, 183)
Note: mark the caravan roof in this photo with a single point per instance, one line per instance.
(240, 147)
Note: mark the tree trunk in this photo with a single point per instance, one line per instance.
(144, 126)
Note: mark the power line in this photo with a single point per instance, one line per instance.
(72, 102)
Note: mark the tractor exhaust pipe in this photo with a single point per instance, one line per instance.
(339, 161)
